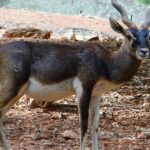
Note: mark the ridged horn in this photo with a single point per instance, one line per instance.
(123, 13)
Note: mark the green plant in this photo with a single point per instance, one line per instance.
(146, 2)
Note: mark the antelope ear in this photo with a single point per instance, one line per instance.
(117, 27)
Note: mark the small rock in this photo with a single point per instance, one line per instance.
(115, 135)
(147, 106)
(70, 36)
(95, 38)
(2, 31)
(80, 38)
(143, 135)
(37, 135)
(62, 116)
(115, 124)
(32, 103)
(27, 33)
(113, 43)
(69, 135)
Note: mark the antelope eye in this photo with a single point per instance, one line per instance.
(129, 37)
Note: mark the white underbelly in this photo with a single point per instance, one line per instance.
(54, 92)
(50, 92)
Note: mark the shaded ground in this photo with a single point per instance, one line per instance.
(125, 113)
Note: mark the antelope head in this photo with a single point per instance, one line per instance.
(137, 41)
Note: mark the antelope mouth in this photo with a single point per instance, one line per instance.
(143, 56)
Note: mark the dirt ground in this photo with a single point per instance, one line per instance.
(11, 19)
(124, 113)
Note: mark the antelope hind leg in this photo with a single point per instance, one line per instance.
(7, 100)
(94, 120)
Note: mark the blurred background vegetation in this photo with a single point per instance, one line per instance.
(100, 8)
(146, 2)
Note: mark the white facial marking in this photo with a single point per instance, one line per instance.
(142, 54)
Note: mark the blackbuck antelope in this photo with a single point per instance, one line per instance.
(52, 70)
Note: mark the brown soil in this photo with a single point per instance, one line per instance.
(11, 19)
(125, 113)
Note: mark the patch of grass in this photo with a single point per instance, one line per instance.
(146, 2)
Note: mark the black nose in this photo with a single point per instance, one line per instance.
(144, 50)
